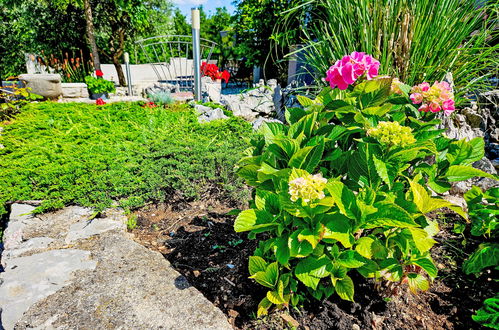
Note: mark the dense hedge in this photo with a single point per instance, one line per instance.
(95, 155)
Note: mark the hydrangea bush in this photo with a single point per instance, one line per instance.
(347, 186)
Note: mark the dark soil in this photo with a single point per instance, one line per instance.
(199, 241)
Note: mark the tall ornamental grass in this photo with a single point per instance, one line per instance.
(414, 40)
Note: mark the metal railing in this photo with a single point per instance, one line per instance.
(171, 57)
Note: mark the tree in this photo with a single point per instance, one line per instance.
(28, 27)
(254, 25)
(180, 25)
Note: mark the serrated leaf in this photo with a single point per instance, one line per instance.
(282, 250)
(263, 307)
(256, 264)
(417, 282)
(294, 114)
(389, 214)
(345, 288)
(488, 315)
(487, 255)
(461, 173)
(338, 227)
(304, 101)
(253, 219)
(421, 239)
(299, 248)
(427, 265)
(344, 199)
(310, 270)
(315, 157)
(273, 297)
(382, 171)
(363, 247)
(298, 159)
(350, 259)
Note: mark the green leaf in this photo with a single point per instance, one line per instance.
(428, 265)
(253, 219)
(488, 315)
(263, 307)
(275, 298)
(282, 250)
(304, 101)
(298, 159)
(267, 201)
(417, 282)
(344, 199)
(256, 264)
(311, 236)
(487, 255)
(268, 277)
(249, 173)
(294, 114)
(299, 248)
(361, 166)
(389, 214)
(350, 259)
(338, 227)
(315, 157)
(310, 270)
(273, 130)
(382, 171)
(461, 173)
(421, 239)
(344, 288)
(364, 248)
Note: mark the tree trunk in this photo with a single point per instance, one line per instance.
(117, 57)
(91, 34)
(119, 70)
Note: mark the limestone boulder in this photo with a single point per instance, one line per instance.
(74, 90)
(46, 85)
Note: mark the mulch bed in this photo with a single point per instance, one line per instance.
(199, 241)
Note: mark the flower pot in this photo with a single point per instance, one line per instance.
(95, 96)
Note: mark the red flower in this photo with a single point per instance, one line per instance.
(226, 76)
(99, 73)
(212, 71)
(150, 105)
(100, 101)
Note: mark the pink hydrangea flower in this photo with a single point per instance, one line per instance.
(347, 70)
(433, 98)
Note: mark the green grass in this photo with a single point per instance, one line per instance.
(93, 156)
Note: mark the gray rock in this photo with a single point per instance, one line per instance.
(259, 122)
(13, 235)
(86, 229)
(30, 279)
(26, 247)
(74, 90)
(201, 109)
(483, 164)
(46, 85)
(93, 274)
(131, 288)
(160, 88)
(212, 114)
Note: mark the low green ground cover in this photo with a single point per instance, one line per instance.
(92, 156)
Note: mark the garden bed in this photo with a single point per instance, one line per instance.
(199, 240)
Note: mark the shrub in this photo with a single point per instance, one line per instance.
(345, 187)
(98, 85)
(483, 208)
(161, 98)
(80, 154)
